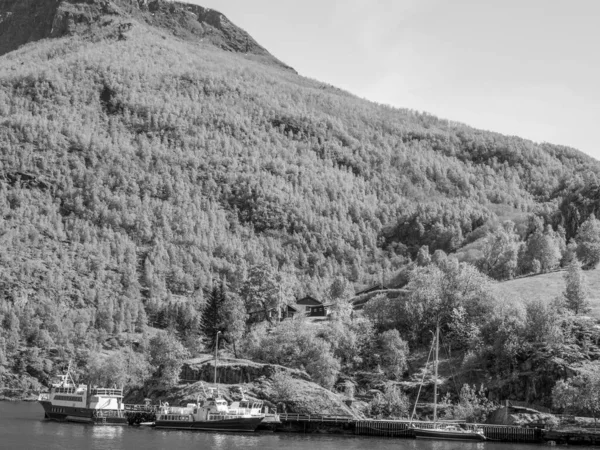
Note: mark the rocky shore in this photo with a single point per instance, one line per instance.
(301, 395)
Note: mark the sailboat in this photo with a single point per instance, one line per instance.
(448, 432)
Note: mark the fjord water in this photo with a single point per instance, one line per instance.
(22, 427)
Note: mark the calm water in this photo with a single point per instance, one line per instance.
(22, 427)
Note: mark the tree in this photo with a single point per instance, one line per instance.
(340, 288)
(393, 353)
(266, 290)
(292, 343)
(463, 333)
(588, 242)
(234, 320)
(213, 317)
(167, 355)
(352, 342)
(339, 293)
(473, 405)
(581, 393)
(437, 291)
(542, 245)
(542, 322)
(283, 386)
(392, 403)
(500, 253)
(423, 256)
(124, 368)
(576, 290)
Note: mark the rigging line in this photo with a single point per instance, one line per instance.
(446, 347)
(421, 385)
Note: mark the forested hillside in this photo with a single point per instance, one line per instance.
(141, 165)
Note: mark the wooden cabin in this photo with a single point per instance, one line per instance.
(287, 312)
(307, 304)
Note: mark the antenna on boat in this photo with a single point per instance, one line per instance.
(68, 376)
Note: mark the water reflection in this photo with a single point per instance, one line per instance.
(22, 427)
(106, 432)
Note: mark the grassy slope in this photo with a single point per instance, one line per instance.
(550, 285)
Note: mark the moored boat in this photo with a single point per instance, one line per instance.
(212, 414)
(82, 403)
(450, 433)
(447, 432)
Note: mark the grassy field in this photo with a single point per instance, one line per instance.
(550, 285)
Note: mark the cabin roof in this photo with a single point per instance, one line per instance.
(309, 301)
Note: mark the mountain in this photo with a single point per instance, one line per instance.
(24, 21)
(149, 148)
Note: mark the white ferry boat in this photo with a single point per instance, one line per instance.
(69, 402)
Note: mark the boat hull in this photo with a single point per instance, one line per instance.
(448, 435)
(239, 424)
(82, 415)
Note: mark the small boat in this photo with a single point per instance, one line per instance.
(448, 432)
(212, 414)
(82, 403)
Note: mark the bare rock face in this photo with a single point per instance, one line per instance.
(24, 21)
(233, 371)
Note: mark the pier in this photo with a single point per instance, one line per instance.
(304, 423)
(394, 428)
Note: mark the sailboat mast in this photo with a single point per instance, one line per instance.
(216, 355)
(435, 382)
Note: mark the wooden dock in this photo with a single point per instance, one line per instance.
(395, 428)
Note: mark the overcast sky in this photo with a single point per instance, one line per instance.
(525, 67)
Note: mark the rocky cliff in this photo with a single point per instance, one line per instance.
(256, 381)
(233, 371)
(24, 21)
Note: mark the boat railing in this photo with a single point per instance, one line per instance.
(142, 408)
(111, 392)
(107, 413)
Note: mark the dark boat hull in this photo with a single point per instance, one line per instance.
(83, 415)
(243, 424)
(445, 435)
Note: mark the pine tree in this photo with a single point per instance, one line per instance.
(212, 318)
(576, 291)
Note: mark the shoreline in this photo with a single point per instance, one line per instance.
(17, 399)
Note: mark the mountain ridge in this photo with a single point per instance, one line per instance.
(24, 21)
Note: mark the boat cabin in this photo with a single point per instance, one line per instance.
(209, 410)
